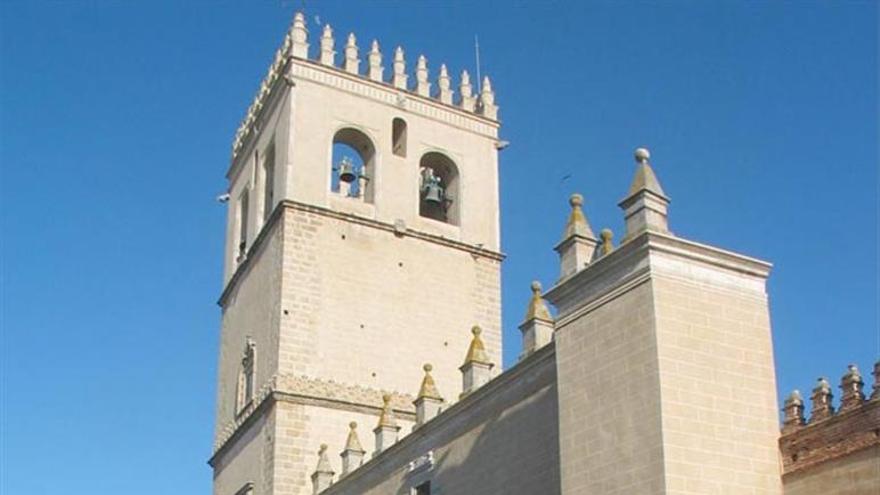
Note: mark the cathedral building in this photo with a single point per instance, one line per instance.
(360, 348)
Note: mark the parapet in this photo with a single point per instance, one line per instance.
(828, 434)
(296, 47)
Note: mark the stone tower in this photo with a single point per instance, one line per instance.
(362, 241)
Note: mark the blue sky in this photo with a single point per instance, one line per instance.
(116, 120)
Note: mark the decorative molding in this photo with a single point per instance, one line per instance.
(313, 391)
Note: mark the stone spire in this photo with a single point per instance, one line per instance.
(353, 454)
(477, 367)
(538, 325)
(299, 36)
(851, 383)
(375, 60)
(429, 401)
(328, 54)
(487, 100)
(578, 244)
(399, 77)
(352, 62)
(794, 412)
(646, 205)
(467, 102)
(387, 429)
(423, 87)
(322, 478)
(822, 397)
(876, 393)
(444, 83)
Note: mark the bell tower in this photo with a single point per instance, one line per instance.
(362, 242)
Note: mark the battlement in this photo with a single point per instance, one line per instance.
(830, 434)
(479, 103)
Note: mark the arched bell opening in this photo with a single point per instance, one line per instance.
(438, 188)
(353, 165)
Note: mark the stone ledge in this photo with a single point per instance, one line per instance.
(311, 391)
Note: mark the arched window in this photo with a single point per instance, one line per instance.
(398, 137)
(438, 188)
(353, 165)
(246, 376)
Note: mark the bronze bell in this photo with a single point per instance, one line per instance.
(346, 171)
(434, 193)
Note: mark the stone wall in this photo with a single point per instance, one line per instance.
(502, 438)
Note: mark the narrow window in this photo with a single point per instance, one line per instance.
(423, 489)
(353, 165)
(438, 188)
(268, 181)
(398, 137)
(246, 376)
(242, 224)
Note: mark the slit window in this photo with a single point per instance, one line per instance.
(268, 181)
(398, 137)
(242, 224)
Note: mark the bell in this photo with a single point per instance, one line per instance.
(346, 171)
(434, 193)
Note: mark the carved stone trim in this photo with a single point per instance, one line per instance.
(316, 392)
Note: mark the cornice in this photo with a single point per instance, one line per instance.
(310, 391)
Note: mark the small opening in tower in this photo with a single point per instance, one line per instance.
(438, 188)
(423, 489)
(398, 137)
(353, 165)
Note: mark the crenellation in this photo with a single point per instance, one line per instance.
(296, 46)
(835, 448)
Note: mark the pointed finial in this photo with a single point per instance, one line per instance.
(477, 350)
(607, 241)
(375, 61)
(328, 55)
(323, 461)
(298, 35)
(399, 77)
(577, 224)
(353, 442)
(443, 82)
(537, 308)
(794, 412)
(487, 100)
(645, 179)
(387, 418)
(646, 205)
(852, 385)
(352, 63)
(468, 101)
(423, 87)
(822, 397)
(428, 388)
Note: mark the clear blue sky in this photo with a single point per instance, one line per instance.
(115, 126)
